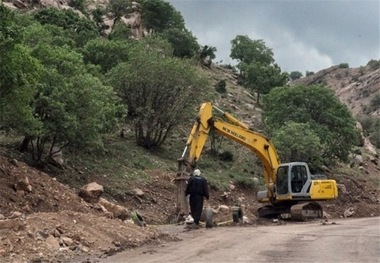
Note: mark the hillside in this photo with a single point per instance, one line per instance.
(355, 87)
(80, 207)
(47, 221)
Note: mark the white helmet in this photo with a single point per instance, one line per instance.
(197, 172)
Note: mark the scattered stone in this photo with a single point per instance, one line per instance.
(116, 210)
(91, 192)
(67, 241)
(14, 162)
(224, 208)
(349, 212)
(14, 224)
(138, 192)
(52, 243)
(23, 185)
(342, 188)
(326, 215)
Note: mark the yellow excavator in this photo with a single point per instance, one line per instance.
(290, 187)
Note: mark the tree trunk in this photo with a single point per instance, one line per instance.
(24, 144)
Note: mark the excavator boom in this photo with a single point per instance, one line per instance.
(286, 184)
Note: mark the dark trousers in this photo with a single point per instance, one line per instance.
(196, 207)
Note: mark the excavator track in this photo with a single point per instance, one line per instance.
(305, 211)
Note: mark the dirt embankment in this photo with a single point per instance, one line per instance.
(42, 220)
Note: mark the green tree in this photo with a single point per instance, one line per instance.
(317, 106)
(19, 75)
(309, 73)
(79, 29)
(258, 72)
(295, 75)
(73, 107)
(158, 16)
(207, 52)
(184, 44)
(120, 32)
(263, 77)
(118, 8)
(374, 64)
(247, 51)
(159, 91)
(298, 142)
(106, 53)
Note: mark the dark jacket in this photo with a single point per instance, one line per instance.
(197, 185)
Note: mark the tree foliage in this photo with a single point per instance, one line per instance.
(207, 54)
(258, 72)
(158, 16)
(79, 29)
(118, 8)
(105, 53)
(159, 91)
(184, 44)
(73, 106)
(19, 75)
(318, 107)
(263, 77)
(297, 142)
(247, 51)
(295, 75)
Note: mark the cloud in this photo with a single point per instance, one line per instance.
(304, 34)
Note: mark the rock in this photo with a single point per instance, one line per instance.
(224, 208)
(57, 156)
(116, 210)
(359, 159)
(138, 192)
(326, 215)
(91, 192)
(14, 224)
(374, 160)
(23, 185)
(15, 214)
(349, 212)
(67, 241)
(342, 188)
(19, 4)
(52, 243)
(14, 162)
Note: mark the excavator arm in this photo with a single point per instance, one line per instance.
(287, 192)
(236, 131)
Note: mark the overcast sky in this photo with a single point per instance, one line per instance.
(305, 35)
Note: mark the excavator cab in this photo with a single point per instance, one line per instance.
(293, 179)
(295, 191)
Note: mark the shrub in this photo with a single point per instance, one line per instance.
(343, 65)
(220, 87)
(374, 64)
(226, 156)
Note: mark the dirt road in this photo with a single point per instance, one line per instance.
(343, 240)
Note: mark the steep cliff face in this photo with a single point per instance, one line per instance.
(355, 87)
(133, 19)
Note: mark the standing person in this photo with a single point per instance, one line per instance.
(197, 188)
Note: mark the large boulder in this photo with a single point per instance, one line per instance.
(91, 192)
(117, 211)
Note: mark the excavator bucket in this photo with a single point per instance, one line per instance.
(305, 211)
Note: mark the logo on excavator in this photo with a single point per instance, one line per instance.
(241, 137)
